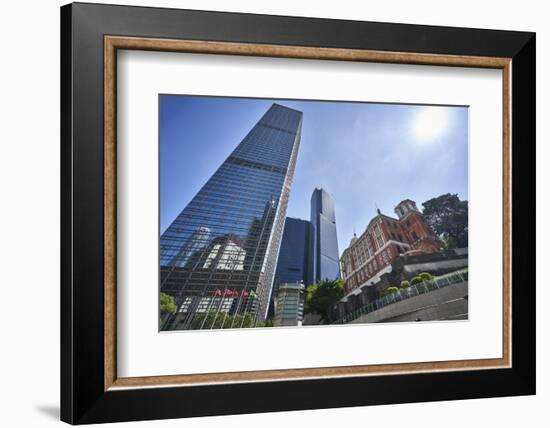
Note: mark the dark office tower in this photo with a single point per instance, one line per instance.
(295, 263)
(218, 257)
(325, 242)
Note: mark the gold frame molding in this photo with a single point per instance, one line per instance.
(113, 43)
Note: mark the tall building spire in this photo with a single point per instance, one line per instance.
(323, 217)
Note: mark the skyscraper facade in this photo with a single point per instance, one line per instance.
(325, 242)
(295, 262)
(219, 255)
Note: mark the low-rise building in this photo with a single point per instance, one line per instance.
(370, 255)
(402, 268)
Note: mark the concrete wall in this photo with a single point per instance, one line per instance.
(437, 266)
(312, 319)
(448, 303)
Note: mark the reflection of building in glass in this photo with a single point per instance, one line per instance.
(224, 253)
(219, 254)
(257, 237)
(326, 263)
(196, 241)
(289, 305)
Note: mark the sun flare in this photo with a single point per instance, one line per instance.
(430, 123)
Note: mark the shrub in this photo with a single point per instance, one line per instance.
(405, 284)
(388, 291)
(416, 280)
(425, 276)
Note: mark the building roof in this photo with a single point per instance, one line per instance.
(405, 200)
(291, 286)
(286, 107)
(376, 217)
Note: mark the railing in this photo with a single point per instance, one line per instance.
(406, 293)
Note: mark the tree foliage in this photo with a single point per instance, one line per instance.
(167, 304)
(405, 284)
(321, 298)
(449, 243)
(448, 217)
(218, 320)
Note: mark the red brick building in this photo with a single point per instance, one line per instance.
(370, 255)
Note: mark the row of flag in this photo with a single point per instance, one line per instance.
(235, 293)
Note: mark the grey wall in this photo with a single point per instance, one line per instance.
(447, 303)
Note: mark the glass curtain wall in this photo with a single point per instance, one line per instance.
(218, 257)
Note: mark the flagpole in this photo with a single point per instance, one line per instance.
(246, 295)
(231, 266)
(224, 296)
(239, 295)
(209, 308)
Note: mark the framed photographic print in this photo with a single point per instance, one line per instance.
(265, 213)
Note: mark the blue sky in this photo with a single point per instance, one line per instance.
(366, 155)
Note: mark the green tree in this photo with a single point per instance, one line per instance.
(448, 217)
(267, 323)
(321, 298)
(247, 321)
(449, 243)
(405, 284)
(167, 304)
(217, 320)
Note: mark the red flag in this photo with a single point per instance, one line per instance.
(218, 292)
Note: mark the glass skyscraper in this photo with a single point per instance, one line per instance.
(326, 263)
(219, 255)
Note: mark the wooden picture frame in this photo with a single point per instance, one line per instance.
(91, 390)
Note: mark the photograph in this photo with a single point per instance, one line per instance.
(295, 213)
(281, 210)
